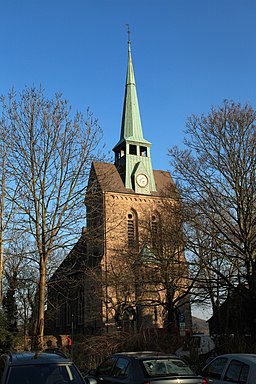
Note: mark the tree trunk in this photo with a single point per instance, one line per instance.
(41, 305)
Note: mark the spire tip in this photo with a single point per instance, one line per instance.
(128, 32)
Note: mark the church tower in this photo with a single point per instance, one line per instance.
(128, 271)
(132, 152)
(137, 222)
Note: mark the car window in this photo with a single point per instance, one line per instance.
(244, 373)
(121, 367)
(215, 368)
(158, 367)
(43, 374)
(237, 372)
(106, 367)
(2, 367)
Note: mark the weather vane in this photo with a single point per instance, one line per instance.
(128, 31)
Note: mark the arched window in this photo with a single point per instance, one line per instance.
(156, 231)
(132, 229)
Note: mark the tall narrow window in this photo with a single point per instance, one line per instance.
(155, 314)
(80, 306)
(58, 310)
(132, 230)
(154, 231)
(68, 311)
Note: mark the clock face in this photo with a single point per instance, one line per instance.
(142, 180)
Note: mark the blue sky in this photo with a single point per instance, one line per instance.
(188, 55)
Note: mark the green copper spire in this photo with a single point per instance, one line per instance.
(131, 124)
(132, 152)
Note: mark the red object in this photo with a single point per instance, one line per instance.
(69, 341)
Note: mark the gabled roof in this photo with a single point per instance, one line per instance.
(110, 180)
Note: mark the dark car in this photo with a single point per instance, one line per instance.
(38, 368)
(143, 368)
(231, 368)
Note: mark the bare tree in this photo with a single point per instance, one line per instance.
(7, 196)
(216, 174)
(21, 269)
(51, 150)
(3, 155)
(170, 283)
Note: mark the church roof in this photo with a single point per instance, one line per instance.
(110, 180)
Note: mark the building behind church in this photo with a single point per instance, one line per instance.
(128, 270)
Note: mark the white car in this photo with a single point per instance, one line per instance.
(231, 368)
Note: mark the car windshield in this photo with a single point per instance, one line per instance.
(169, 367)
(44, 374)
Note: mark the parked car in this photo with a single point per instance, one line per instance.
(231, 368)
(38, 368)
(144, 368)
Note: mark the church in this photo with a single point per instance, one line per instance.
(128, 269)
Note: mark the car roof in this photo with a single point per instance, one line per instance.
(24, 358)
(145, 354)
(242, 356)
